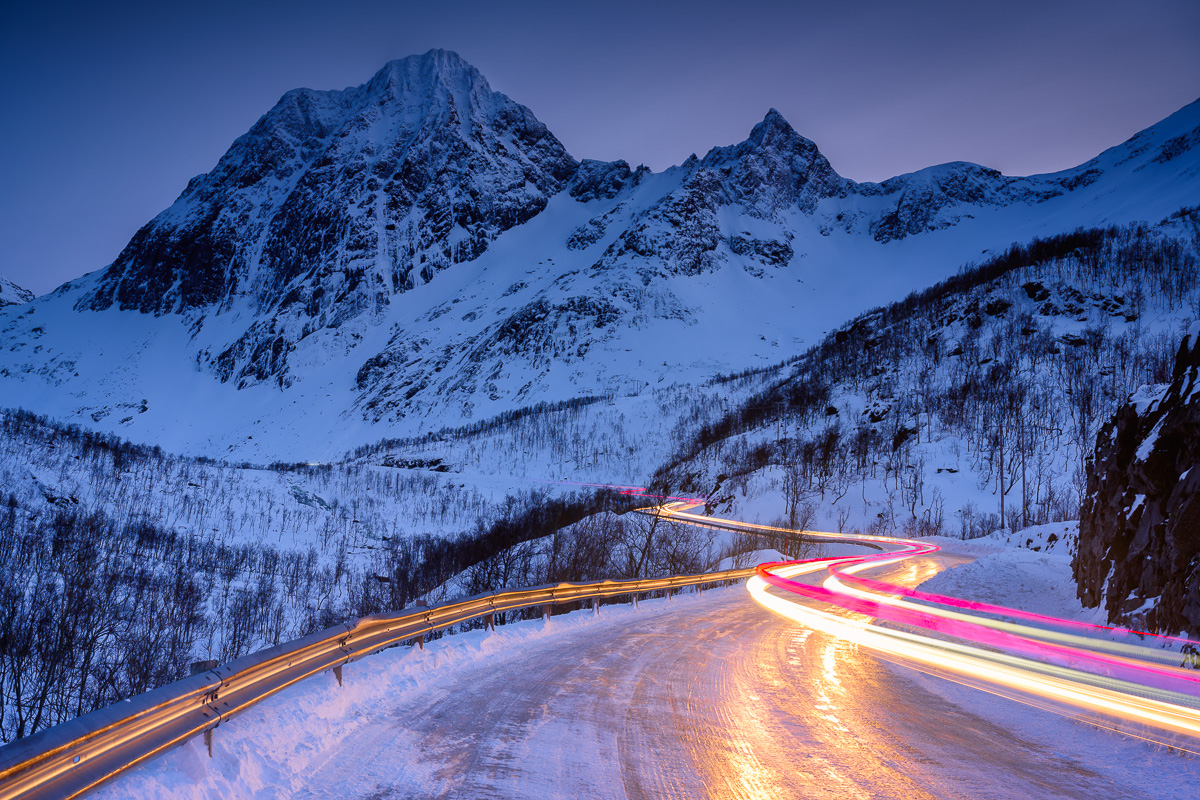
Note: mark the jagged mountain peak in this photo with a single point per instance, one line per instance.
(773, 133)
(286, 263)
(337, 201)
(774, 129)
(437, 75)
(436, 66)
(419, 80)
(773, 169)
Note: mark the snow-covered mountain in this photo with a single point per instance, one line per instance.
(420, 250)
(11, 294)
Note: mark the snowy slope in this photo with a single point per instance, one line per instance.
(966, 408)
(11, 294)
(420, 251)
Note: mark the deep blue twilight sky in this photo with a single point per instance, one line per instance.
(109, 108)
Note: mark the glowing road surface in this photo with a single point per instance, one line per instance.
(1109, 676)
(712, 697)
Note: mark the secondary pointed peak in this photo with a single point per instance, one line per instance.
(774, 129)
(775, 119)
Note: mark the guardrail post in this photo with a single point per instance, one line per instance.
(491, 621)
(634, 595)
(595, 606)
(337, 673)
(546, 612)
(195, 668)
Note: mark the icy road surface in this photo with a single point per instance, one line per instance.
(708, 696)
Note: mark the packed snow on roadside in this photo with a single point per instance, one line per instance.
(1028, 569)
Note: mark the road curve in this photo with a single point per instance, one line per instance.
(723, 700)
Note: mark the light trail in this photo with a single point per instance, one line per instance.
(1041, 660)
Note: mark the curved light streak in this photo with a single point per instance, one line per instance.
(1042, 660)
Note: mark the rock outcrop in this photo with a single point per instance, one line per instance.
(1139, 533)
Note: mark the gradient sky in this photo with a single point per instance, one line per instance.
(109, 108)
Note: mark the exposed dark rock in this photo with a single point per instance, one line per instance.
(599, 180)
(1036, 291)
(1139, 535)
(902, 435)
(313, 214)
(775, 168)
(682, 231)
(922, 197)
(768, 251)
(11, 294)
(997, 306)
(1176, 147)
(432, 464)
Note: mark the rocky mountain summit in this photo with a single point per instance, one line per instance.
(337, 201)
(420, 250)
(1139, 531)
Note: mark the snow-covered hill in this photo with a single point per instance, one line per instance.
(965, 408)
(11, 294)
(420, 251)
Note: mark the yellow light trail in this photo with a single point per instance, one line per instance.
(1044, 667)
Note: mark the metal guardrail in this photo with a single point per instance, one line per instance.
(69, 759)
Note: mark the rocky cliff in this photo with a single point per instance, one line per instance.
(1139, 532)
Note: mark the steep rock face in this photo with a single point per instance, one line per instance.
(774, 169)
(336, 201)
(681, 233)
(600, 180)
(11, 294)
(1139, 532)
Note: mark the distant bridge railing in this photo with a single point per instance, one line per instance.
(69, 759)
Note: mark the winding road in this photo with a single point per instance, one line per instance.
(778, 692)
(723, 700)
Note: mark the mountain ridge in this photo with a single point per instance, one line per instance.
(420, 250)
